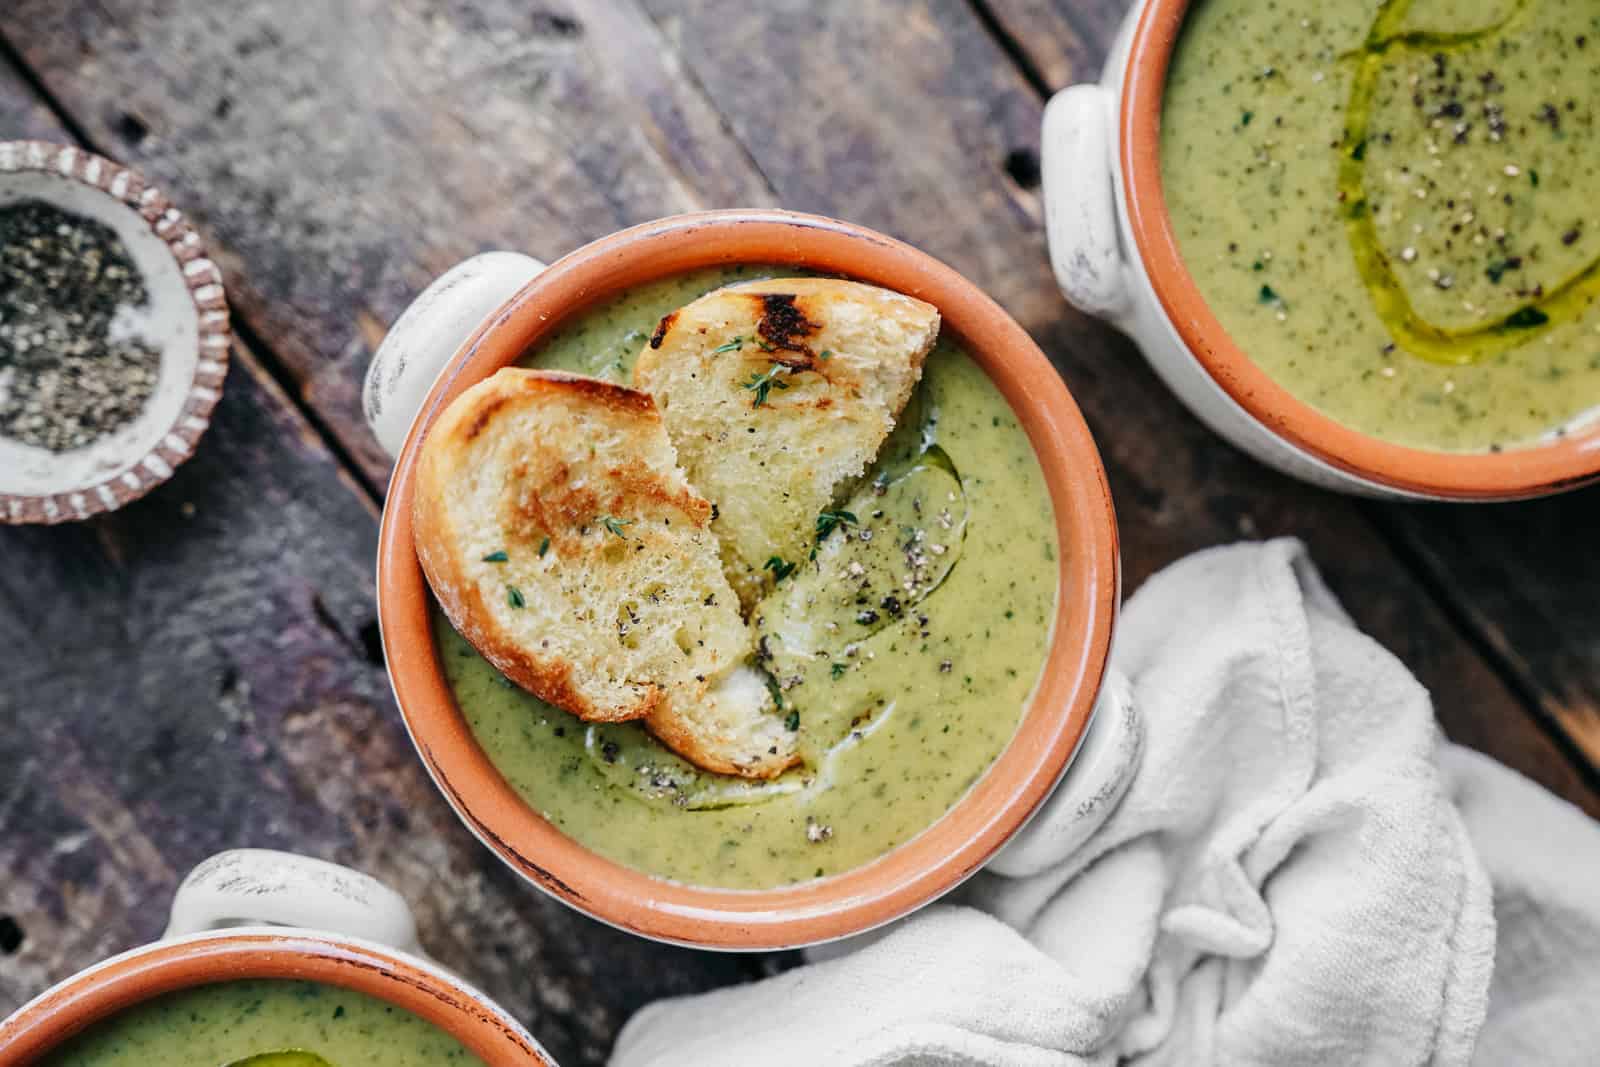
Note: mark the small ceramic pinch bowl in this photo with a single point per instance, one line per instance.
(489, 312)
(254, 913)
(185, 318)
(1116, 256)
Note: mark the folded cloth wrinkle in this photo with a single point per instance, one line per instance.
(1297, 872)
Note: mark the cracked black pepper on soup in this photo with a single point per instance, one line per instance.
(907, 645)
(1390, 207)
(68, 374)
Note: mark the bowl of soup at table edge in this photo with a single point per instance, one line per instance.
(1055, 709)
(1367, 259)
(251, 971)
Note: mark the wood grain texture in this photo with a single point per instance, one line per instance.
(22, 114)
(1063, 41)
(1052, 40)
(200, 671)
(340, 159)
(1526, 578)
(919, 148)
(1519, 580)
(345, 194)
(191, 681)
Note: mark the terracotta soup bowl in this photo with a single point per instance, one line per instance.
(1115, 255)
(489, 312)
(257, 914)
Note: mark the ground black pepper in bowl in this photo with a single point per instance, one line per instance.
(67, 379)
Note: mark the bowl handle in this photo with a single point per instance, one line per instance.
(257, 886)
(427, 334)
(1100, 772)
(1079, 205)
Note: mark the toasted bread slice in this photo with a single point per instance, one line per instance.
(562, 540)
(734, 729)
(777, 392)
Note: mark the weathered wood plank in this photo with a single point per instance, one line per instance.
(337, 160)
(1064, 41)
(22, 113)
(919, 147)
(880, 93)
(419, 166)
(1525, 577)
(1519, 578)
(200, 671)
(1045, 37)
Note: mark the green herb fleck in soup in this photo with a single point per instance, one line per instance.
(263, 1023)
(900, 700)
(1389, 207)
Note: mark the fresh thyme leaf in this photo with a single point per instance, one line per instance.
(765, 345)
(614, 524)
(791, 722)
(544, 546)
(729, 346)
(825, 355)
(765, 383)
(838, 669)
(776, 691)
(779, 567)
(496, 557)
(1267, 295)
(827, 520)
(514, 597)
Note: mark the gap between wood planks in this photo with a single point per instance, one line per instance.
(1434, 585)
(266, 363)
(256, 357)
(1012, 48)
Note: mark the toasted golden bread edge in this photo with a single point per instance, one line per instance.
(548, 678)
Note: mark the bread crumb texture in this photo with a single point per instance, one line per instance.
(777, 392)
(566, 544)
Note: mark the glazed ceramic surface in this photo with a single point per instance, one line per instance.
(1058, 713)
(257, 914)
(891, 738)
(1114, 256)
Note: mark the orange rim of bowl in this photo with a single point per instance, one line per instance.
(1565, 463)
(135, 977)
(973, 829)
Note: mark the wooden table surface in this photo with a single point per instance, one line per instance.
(202, 670)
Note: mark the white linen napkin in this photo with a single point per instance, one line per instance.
(1299, 872)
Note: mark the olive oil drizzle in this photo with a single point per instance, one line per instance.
(289, 1057)
(1410, 330)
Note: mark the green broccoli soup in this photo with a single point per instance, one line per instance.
(1390, 207)
(906, 647)
(262, 1023)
